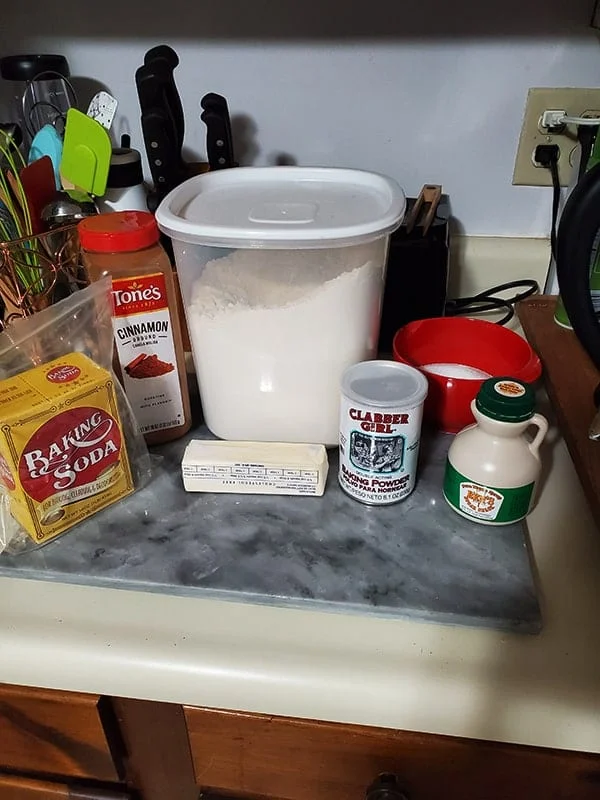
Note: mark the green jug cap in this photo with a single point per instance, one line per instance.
(506, 399)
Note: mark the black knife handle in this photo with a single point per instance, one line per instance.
(219, 139)
(162, 51)
(169, 60)
(151, 81)
(218, 143)
(163, 158)
(216, 102)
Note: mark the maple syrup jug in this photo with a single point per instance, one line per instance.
(492, 467)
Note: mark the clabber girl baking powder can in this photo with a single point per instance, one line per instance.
(380, 429)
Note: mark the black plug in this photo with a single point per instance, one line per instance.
(545, 155)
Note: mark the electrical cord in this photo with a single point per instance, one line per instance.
(547, 155)
(554, 120)
(567, 120)
(488, 300)
(586, 135)
(555, 203)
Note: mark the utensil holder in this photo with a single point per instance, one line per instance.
(37, 271)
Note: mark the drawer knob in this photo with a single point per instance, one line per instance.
(386, 787)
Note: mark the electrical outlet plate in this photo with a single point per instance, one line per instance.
(577, 103)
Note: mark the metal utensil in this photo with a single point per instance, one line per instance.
(68, 209)
(65, 209)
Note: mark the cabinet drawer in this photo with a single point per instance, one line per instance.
(61, 733)
(293, 759)
(17, 788)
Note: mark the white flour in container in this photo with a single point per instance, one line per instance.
(272, 332)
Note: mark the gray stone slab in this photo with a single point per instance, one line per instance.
(415, 559)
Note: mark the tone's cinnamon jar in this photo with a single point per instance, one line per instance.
(148, 344)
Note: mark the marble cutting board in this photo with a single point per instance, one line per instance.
(415, 559)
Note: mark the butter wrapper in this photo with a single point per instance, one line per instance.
(255, 468)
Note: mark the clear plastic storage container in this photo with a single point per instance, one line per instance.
(281, 272)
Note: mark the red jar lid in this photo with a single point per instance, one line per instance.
(118, 232)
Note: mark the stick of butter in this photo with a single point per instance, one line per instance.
(254, 467)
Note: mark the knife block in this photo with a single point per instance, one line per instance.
(416, 274)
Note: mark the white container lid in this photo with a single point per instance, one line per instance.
(282, 207)
(385, 384)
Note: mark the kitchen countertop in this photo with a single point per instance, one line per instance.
(417, 559)
(541, 690)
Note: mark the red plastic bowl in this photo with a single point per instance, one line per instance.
(473, 343)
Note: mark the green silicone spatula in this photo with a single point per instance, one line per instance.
(86, 153)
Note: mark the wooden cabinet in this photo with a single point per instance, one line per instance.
(59, 745)
(292, 759)
(62, 733)
(84, 747)
(13, 788)
(17, 788)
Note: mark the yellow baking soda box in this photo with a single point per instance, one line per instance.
(62, 452)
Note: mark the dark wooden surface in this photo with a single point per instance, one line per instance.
(171, 752)
(570, 379)
(53, 732)
(14, 788)
(18, 788)
(157, 750)
(249, 754)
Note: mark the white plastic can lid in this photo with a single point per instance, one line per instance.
(282, 207)
(385, 384)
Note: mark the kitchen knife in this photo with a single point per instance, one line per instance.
(170, 60)
(219, 144)
(165, 162)
(216, 102)
(163, 135)
(218, 150)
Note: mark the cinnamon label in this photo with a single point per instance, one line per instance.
(146, 350)
(62, 453)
